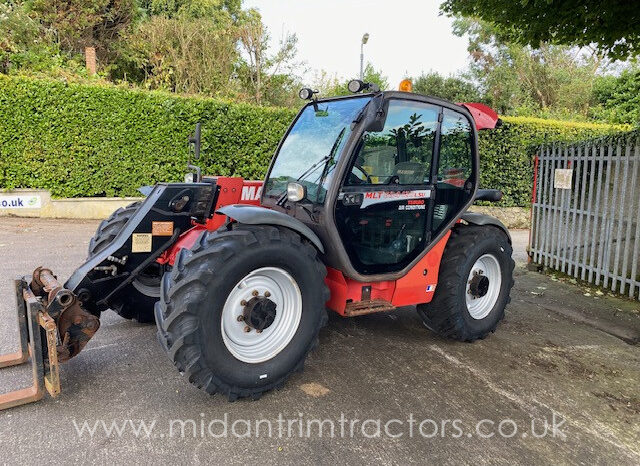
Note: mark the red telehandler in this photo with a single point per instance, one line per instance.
(363, 209)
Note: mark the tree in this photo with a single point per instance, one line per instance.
(27, 46)
(81, 23)
(260, 69)
(216, 10)
(612, 25)
(550, 80)
(453, 88)
(182, 54)
(617, 98)
(332, 86)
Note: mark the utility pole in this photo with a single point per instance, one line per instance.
(365, 39)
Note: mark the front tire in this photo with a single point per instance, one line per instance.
(241, 310)
(474, 282)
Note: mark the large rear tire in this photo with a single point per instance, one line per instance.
(137, 300)
(242, 309)
(474, 282)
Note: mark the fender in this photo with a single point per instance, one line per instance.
(475, 218)
(256, 215)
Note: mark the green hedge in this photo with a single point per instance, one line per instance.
(86, 140)
(506, 152)
(98, 140)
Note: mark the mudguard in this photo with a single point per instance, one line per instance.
(255, 215)
(475, 218)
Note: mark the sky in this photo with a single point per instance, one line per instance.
(406, 37)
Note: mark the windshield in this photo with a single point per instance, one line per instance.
(311, 149)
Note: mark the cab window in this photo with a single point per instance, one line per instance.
(402, 152)
(455, 168)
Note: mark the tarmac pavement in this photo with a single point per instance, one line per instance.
(392, 391)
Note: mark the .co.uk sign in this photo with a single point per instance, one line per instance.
(20, 202)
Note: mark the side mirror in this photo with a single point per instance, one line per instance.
(195, 140)
(376, 124)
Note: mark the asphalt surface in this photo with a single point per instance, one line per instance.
(440, 401)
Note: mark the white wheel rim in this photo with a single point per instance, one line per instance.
(254, 347)
(479, 307)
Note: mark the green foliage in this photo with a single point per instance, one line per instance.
(24, 42)
(210, 47)
(79, 140)
(611, 25)
(82, 140)
(218, 10)
(262, 75)
(555, 81)
(85, 23)
(329, 86)
(453, 88)
(186, 55)
(617, 99)
(506, 152)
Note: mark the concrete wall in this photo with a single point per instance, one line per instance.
(512, 217)
(46, 207)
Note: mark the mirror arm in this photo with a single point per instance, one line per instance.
(198, 172)
(195, 140)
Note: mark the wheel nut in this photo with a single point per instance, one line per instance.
(243, 303)
(258, 331)
(240, 318)
(255, 293)
(247, 329)
(267, 294)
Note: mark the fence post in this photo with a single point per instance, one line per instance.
(90, 60)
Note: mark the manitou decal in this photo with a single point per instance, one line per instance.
(251, 193)
(379, 197)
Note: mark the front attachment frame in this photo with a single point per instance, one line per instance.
(34, 323)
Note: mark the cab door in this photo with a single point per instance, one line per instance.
(384, 208)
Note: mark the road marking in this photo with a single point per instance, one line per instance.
(100, 347)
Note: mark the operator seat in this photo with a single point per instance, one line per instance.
(409, 173)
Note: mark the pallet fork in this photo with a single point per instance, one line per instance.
(34, 323)
(53, 326)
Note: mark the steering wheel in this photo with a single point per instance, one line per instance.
(364, 172)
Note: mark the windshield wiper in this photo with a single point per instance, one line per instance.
(331, 157)
(313, 167)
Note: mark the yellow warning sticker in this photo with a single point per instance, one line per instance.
(162, 228)
(141, 242)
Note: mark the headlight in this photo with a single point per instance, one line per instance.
(355, 85)
(305, 93)
(189, 178)
(296, 192)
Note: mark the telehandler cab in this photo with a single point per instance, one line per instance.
(363, 209)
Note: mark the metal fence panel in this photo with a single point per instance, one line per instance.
(586, 210)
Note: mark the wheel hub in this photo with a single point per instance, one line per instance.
(259, 313)
(479, 285)
(483, 286)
